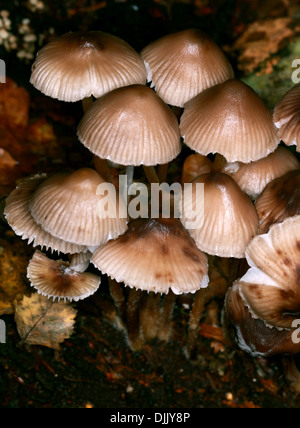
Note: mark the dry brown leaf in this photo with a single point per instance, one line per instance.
(14, 104)
(41, 321)
(260, 41)
(13, 266)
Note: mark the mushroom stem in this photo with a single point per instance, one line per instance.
(165, 326)
(116, 292)
(133, 319)
(163, 172)
(102, 167)
(151, 174)
(86, 103)
(194, 322)
(150, 315)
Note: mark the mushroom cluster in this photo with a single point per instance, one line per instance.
(139, 110)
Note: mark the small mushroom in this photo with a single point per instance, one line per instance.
(229, 221)
(220, 120)
(18, 216)
(82, 64)
(131, 126)
(158, 256)
(183, 64)
(253, 177)
(195, 165)
(251, 334)
(279, 200)
(55, 278)
(270, 288)
(286, 117)
(67, 206)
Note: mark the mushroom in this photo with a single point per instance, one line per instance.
(79, 65)
(229, 221)
(18, 216)
(131, 126)
(253, 177)
(69, 207)
(220, 120)
(193, 166)
(56, 279)
(271, 285)
(280, 199)
(183, 64)
(286, 117)
(156, 255)
(251, 334)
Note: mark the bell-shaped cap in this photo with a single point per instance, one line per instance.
(19, 218)
(131, 126)
(251, 334)
(183, 64)
(55, 278)
(71, 207)
(85, 63)
(286, 117)
(221, 120)
(154, 255)
(229, 220)
(253, 177)
(271, 288)
(279, 200)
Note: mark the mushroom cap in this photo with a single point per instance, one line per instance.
(230, 220)
(220, 120)
(54, 278)
(252, 335)
(183, 64)
(154, 255)
(271, 288)
(131, 126)
(253, 177)
(279, 200)
(80, 64)
(19, 218)
(67, 206)
(286, 117)
(195, 165)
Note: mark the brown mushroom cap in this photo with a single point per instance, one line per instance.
(183, 64)
(221, 120)
(271, 288)
(131, 126)
(230, 220)
(279, 200)
(55, 279)
(252, 335)
(253, 177)
(286, 117)
(154, 255)
(195, 165)
(80, 64)
(19, 218)
(66, 205)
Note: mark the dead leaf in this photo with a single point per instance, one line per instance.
(14, 104)
(41, 321)
(13, 267)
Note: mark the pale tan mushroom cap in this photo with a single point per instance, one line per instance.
(183, 64)
(67, 206)
(131, 126)
(229, 119)
(230, 220)
(279, 200)
(80, 64)
(55, 279)
(287, 107)
(154, 255)
(19, 218)
(253, 177)
(271, 287)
